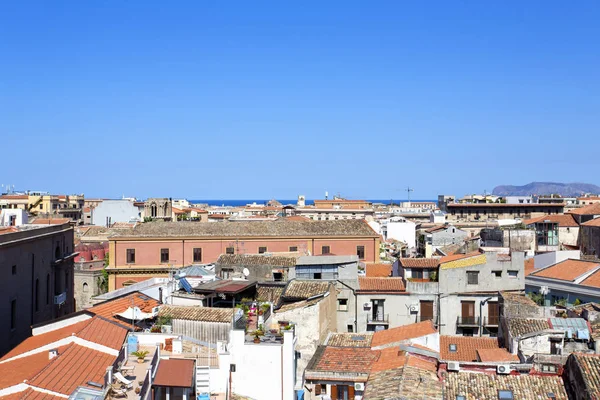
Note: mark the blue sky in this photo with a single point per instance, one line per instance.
(259, 100)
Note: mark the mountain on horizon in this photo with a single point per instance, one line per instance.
(547, 188)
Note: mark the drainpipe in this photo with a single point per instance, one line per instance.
(355, 305)
(481, 304)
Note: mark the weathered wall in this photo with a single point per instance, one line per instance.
(205, 331)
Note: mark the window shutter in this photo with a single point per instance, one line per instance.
(350, 391)
(317, 389)
(334, 392)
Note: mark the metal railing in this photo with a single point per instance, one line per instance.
(374, 319)
(467, 321)
(145, 390)
(119, 361)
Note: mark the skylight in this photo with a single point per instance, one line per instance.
(358, 337)
(505, 395)
(452, 348)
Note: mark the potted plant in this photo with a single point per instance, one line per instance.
(256, 337)
(138, 390)
(140, 354)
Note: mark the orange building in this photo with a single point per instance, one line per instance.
(153, 249)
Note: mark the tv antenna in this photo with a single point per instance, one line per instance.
(408, 190)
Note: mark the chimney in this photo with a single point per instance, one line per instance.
(52, 353)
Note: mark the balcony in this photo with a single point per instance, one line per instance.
(378, 319)
(467, 321)
(60, 298)
(491, 321)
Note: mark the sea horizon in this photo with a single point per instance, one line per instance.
(239, 203)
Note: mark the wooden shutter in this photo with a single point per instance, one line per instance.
(426, 310)
(350, 392)
(318, 389)
(333, 392)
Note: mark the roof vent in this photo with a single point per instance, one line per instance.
(52, 353)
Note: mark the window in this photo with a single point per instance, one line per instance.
(230, 250)
(317, 275)
(277, 276)
(460, 397)
(85, 287)
(342, 304)
(164, 255)
(13, 314)
(197, 254)
(452, 348)
(325, 250)
(14, 269)
(66, 281)
(350, 328)
(293, 248)
(360, 252)
(37, 295)
(468, 331)
(472, 277)
(513, 274)
(416, 273)
(497, 274)
(262, 250)
(505, 395)
(130, 256)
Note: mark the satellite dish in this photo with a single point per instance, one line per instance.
(246, 272)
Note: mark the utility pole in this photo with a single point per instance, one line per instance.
(408, 190)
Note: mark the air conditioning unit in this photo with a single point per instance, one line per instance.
(414, 308)
(503, 369)
(367, 305)
(453, 366)
(359, 386)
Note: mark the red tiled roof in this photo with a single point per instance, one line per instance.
(563, 221)
(389, 358)
(529, 266)
(401, 333)
(298, 218)
(175, 372)
(33, 342)
(436, 228)
(593, 223)
(9, 229)
(104, 332)
(420, 262)
(110, 308)
(14, 196)
(592, 209)
(16, 371)
(466, 347)
(381, 284)
(496, 355)
(378, 270)
(592, 280)
(76, 366)
(567, 270)
(51, 221)
(31, 394)
(346, 359)
(504, 205)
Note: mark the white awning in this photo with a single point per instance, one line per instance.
(135, 314)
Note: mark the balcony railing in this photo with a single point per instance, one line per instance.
(467, 321)
(491, 321)
(378, 319)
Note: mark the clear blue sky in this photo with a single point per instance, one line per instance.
(258, 100)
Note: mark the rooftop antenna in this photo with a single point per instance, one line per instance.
(408, 190)
(326, 195)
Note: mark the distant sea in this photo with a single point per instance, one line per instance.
(239, 203)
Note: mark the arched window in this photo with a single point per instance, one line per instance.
(37, 295)
(153, 210)
(85, 287)
(47, 289)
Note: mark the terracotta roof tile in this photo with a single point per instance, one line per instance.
(110, 308)
(346, 359)
(197, 313)
(483, 386)
(529, 266)
(389, 358)
(304, 289)
(50, 221)
(420, 262)
(31, 394)
(381, 284)
(522, 326)
(496, 355)
(593, 223)
(349, 340)
(105, 332)
(298, 304)
(466, 347)
(399, 334)
(436, 228)
(563, 220)
(592, 280)
(269, 293)
(257, 259)
(175, 373)
(76, 366)
(589, 365)
(16, 371)
(592, 209)
(378, 270)
(455, 257)
(568, 270)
